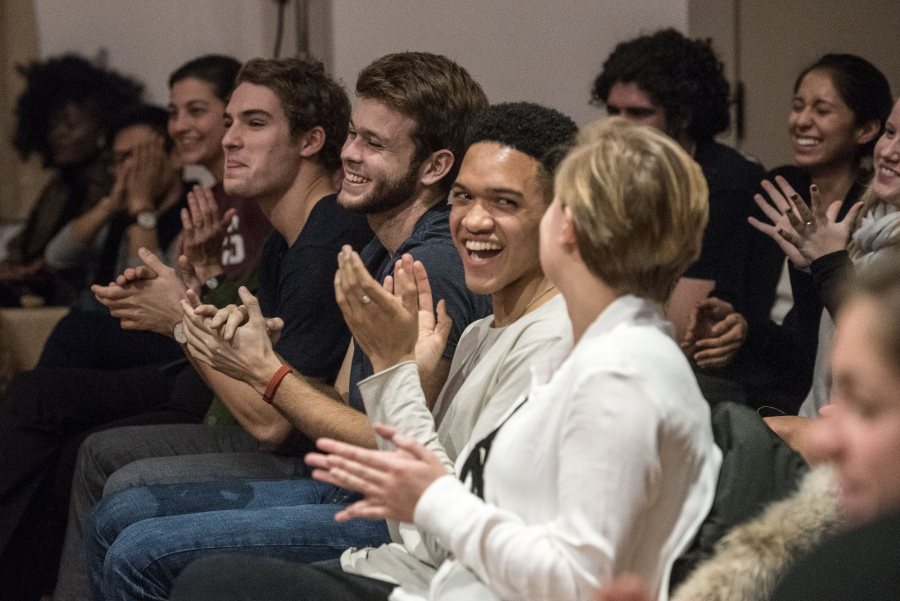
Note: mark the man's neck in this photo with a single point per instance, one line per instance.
(393, 227)
(289, 211)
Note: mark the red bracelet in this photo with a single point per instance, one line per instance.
(275, 381)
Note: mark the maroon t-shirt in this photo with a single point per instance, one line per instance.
(245, 237)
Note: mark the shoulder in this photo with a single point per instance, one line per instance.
(726, 167)
(330, 225)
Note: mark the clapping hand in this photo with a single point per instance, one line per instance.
(203, 232)
(391, 481)
(396, 321)
(235, 340)
(715, 333)
(804, 233)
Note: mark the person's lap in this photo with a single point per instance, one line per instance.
(143, 537)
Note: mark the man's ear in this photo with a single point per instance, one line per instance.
(435, 167)
(866, 132)
(311, 142)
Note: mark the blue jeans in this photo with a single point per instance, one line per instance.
(140, 539)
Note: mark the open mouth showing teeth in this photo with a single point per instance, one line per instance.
(806, 141)
(888, 172)
(481, 251)
(355, 179)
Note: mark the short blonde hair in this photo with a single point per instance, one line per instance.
(639, 205)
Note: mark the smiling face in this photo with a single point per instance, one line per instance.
(821, 125)
(630, 101)
(861, 431)
(887, 160)
(261, 160)
(378, 159)
(196, 123)
(498, 202)
(73, 135)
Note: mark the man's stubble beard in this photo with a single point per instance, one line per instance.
(388, 194)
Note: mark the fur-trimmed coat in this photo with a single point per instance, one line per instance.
(751, 559)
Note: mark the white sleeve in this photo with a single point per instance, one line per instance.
(394, 397)
(609, 432)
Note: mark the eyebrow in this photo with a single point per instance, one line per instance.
(508, 191)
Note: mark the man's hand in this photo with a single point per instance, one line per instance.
(246, 354)
(145, 297)
(394, 322)
(715, 333)
(203, 232)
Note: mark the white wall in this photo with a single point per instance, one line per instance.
(547, 52)
(150, 38)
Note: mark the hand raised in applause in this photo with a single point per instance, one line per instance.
(203, 232)
(391, 481)
(234, 341)
(715, 333)
(804, 233)
(147, 178)
(144, 297)
(394, 322)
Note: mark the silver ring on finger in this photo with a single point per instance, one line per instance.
(366, 299)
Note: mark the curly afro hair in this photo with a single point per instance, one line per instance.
(540, 132)
(683, 76)
(58, 81)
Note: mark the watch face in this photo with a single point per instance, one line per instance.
(212, 283)
(178, 333)
(146, 220)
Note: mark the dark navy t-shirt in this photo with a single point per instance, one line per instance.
(431, 244)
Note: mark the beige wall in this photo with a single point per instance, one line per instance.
(18, 45)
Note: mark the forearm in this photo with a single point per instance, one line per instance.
(66, 250)
(256, 416)
(139, 237)
(317, 411)
(828, 272)
(394, 397)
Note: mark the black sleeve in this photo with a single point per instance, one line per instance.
(828, 273)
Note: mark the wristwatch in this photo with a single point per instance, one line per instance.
(213, 282)
(146, 220)
(178, 333)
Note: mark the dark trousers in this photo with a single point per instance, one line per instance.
(251, 578)
(44, 417)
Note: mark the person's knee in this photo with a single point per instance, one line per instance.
(116, 513)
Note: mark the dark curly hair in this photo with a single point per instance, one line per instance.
(217, 70)
(862, 86)
(540, 132)
(58, 81)
(309, 98)
(683, 76)
(157, 118)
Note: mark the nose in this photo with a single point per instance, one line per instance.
(826, 436)
(232, 138)
(478, 218)
(804, 117)
(178, 123)
(891, 150)
(350, 151)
